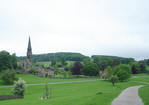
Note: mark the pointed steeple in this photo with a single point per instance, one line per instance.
(29, 44)
(29, 51)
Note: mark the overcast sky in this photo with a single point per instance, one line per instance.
(103, 27)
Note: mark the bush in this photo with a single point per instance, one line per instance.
(114, 79)
(122, 71)
(33, 71)
(8, 76)
(108, 73)
(56, 70)
(90, 68)
(19, 87)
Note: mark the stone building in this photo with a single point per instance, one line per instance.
(27, 64)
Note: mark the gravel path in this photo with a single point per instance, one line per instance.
(128, 97)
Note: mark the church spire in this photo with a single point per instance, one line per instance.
(29, 51)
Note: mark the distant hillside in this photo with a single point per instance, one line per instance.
(50, 56)
(122, 60)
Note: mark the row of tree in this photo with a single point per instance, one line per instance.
(91, 67)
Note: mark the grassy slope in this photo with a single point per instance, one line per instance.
(35, 79)
(75, 93)
(144, 91)
(71, 94)
(143, 78)
(144, 94)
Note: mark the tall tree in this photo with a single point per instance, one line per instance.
(14, 61)
(135, 68)
(5, 60)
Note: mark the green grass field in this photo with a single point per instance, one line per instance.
(35, 79)
(70, 94)
(144, 91)
(85, 93)
(144, 94)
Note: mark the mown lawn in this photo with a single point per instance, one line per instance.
(35, 79)
(144, 91)
(142, 78)
(86, 93)
(144, 94)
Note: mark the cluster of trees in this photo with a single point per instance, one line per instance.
(104, 61)
(7, 61)
(120, 72)
(83, 65)
(110, 65)
(88, 68)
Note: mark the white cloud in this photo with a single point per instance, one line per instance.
(113, 27)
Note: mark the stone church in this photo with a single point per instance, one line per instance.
(27, 64)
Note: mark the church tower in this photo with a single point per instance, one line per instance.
(29, 52)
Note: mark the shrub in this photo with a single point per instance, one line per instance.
(122, 71)
(19, 87)
(33, 71)
(114, 79)
(108, 73)
(56, 70)
(8, 76)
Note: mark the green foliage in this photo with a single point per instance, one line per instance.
(144, 94)
(19, 87)
(14, 61)
(33, 70)
(7, 61)
(113, 79)
(63, 60)
(8, 76)
(108, 73)
(135, 68)
(104, 61)
(122, 71)
(56, 70)
(53, 62)
(90, 68)
(57, 56)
